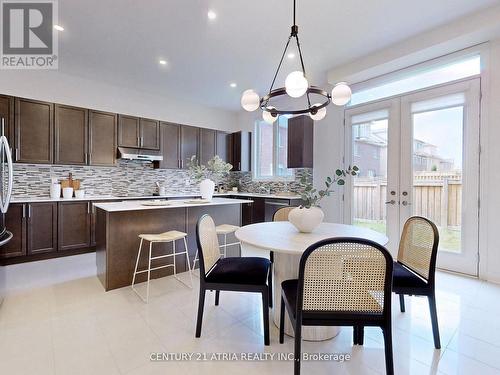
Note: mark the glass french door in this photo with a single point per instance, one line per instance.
(418, 154)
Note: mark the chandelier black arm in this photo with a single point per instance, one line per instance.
(281, 62)
(282, 91)
(303, 66)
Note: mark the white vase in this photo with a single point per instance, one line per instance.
(306, 219)
(207, 188)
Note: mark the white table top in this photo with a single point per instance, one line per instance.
(283, 237)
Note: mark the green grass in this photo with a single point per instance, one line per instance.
(449, 239)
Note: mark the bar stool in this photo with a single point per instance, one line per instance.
(223, 229)
(166, 237)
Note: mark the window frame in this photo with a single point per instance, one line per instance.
(275, 177)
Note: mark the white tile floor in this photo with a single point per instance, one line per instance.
(58, 320)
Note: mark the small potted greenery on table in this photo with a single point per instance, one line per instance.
(309, 215)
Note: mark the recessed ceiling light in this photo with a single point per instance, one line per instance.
(291, 55)
(211, 15)
(163, 62)
(58, 28)
(233, 84)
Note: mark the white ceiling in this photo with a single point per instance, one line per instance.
(121, 41)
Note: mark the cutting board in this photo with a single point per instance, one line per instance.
(69, 182)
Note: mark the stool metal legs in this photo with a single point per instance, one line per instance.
(149, 269)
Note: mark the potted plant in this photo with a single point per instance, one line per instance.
(208, 176)
(309, 215)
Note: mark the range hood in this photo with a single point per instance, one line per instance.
(139, 154)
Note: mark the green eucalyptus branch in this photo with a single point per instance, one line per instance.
(311, 196)
(216, 169)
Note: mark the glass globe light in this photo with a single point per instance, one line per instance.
(341, 94)
(296, 84)
(268, 117)
(320, 113)
(250, 100)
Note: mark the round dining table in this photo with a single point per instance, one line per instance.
(288, 244)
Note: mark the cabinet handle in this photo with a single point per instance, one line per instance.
(24, 211)
(29, 210)
(239, 165)
(16, 157)
(88, 207)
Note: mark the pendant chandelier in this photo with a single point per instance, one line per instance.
(296, 85)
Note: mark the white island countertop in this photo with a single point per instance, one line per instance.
(181, 203)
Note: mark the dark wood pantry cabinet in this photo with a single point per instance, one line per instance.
(71, 135)
(241, 151)
(300, 142)
(41, 228)
(207, 145)
(170, 145)
(102, 138)
(190, 138)
(224, 146)
(34, 131)
(74, 222)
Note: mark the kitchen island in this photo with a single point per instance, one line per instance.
(118, 225)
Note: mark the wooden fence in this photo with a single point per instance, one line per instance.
(435, 197)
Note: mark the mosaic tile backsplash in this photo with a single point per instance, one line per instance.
(128, 178)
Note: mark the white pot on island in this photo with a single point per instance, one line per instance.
(306, 219)
(207, 188)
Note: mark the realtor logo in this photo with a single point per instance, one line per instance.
(28, 37)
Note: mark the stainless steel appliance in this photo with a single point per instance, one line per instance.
(6, 183)
(273, 205)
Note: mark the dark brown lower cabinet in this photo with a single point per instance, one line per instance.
(74, 225)
(41, 228)
(15, 222)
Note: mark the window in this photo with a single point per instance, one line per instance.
(415, 80)
(270, 150)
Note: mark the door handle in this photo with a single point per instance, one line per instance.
(392, 201)
(405, 203)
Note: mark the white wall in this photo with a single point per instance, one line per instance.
(58, 87)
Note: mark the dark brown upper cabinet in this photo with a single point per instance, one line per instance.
(190, 138)
(15, 221)
(223, 146)
(300, 142)
(241, 151)
(71, 131)
(74, 225)
(170, 145)
(129, 131)
(149, 134)
(7, 112)
(138, 132)
(41, 228)
(102, 138)
(34, 131)
(207, 145)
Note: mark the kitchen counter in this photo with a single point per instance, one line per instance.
(118, 225)
(139, 205)
(168, 196)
